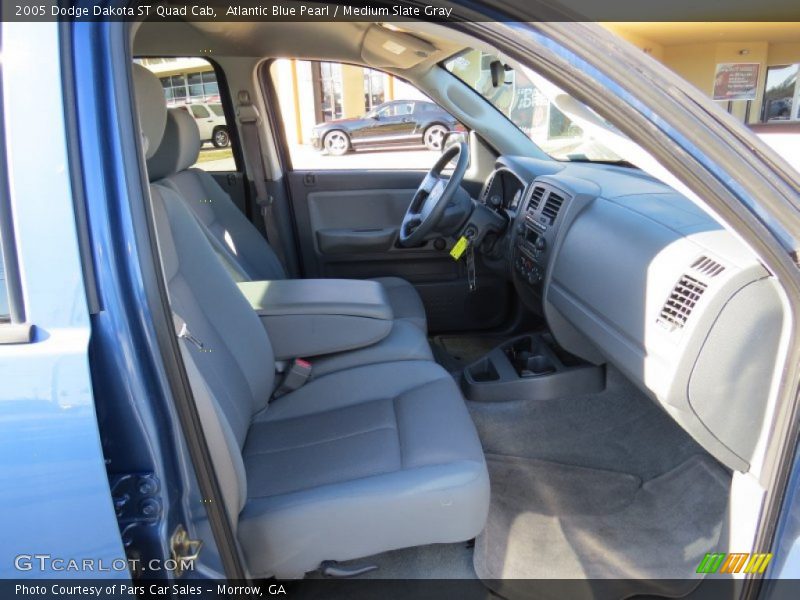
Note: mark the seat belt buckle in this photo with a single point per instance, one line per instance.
(296, 377)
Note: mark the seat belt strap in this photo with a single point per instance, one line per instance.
(249, 121)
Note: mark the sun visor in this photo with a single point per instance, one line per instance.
(383, 48)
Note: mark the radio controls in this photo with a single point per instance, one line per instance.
(540, 243)
(529, 271)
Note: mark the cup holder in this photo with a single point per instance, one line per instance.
(484, 371)
(530, 358)
(530, 367)
(536, 366)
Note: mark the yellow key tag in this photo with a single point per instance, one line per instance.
(457, 250)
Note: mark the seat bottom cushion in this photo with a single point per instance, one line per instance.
(405, 301)
(359, 462)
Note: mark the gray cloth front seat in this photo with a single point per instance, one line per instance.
(354, 463)
(247, 249)
(357, 462)
(407, 339)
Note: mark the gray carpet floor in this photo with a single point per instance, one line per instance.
(602, 485)
(556, 521)
(618, 429)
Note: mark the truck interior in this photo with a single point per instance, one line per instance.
(587, 393)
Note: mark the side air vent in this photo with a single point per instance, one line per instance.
(681, 301)
(552, 206)
(488, 188)
(707, 266)
(536, 198)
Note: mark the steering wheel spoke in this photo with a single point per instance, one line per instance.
(427, 185)
(432, 196)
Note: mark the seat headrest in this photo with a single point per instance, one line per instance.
(179, 147)
(152, 108)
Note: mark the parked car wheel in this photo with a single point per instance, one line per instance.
(434, 137)
(221, 138)
(336, 143)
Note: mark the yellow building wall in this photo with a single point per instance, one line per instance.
(645, 45)
(784, 53)
(697, 62)
(352, 91)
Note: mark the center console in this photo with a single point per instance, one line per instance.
(534, 236)
(313, 317)
(530, 367)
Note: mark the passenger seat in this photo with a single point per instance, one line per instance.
(355, 463)
(250, 255)
(406, 340)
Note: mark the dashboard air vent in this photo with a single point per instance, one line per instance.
(707, 266)
(552, 206)
(681, 301)
(536, 198)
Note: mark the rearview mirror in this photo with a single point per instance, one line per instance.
(498, 72)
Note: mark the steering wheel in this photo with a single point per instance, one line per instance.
(432, 197)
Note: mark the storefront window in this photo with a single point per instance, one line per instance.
(373, 89)
(203, 85)
(196, 86)
(781, 94)
(174, 88)
(331, 91)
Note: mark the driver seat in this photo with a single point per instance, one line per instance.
(248, 255)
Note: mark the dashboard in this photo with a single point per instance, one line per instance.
(503, 190)
(627, 271)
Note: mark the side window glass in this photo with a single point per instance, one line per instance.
(190, 84)
(404, 109)
(340, 116)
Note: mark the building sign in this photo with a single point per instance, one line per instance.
(736, 81)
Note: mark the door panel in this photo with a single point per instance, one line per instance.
(347, 224)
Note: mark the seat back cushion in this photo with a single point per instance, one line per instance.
(234, 234)
(232, 350)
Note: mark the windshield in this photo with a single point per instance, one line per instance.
(535, 107)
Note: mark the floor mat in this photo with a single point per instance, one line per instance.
(554, 521)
